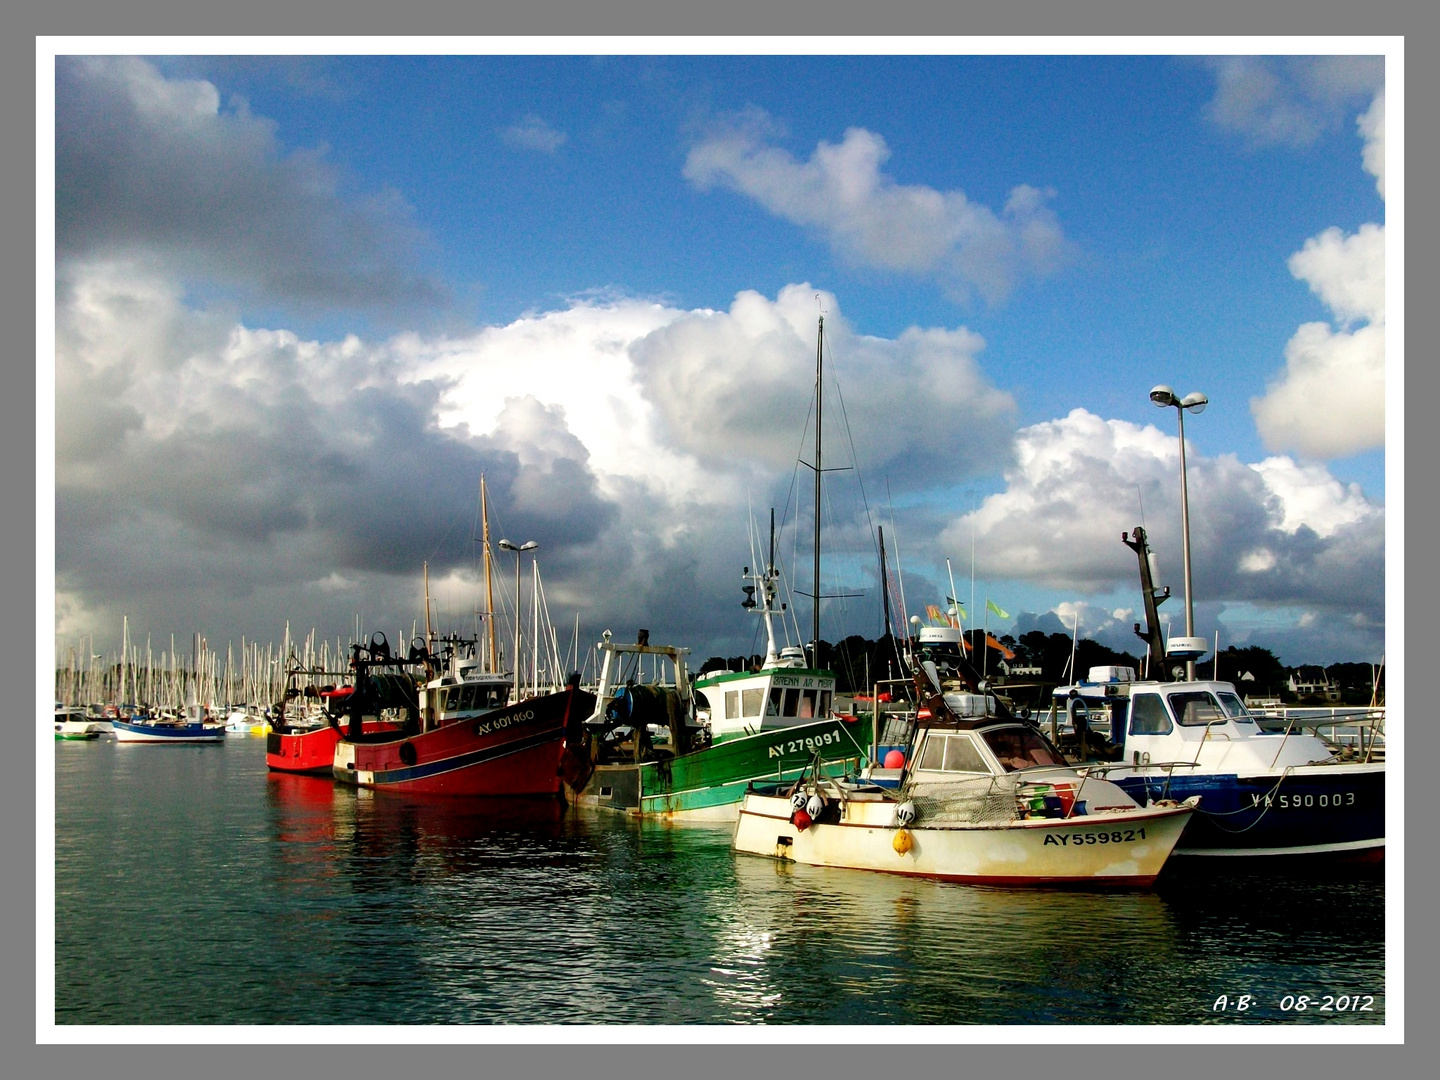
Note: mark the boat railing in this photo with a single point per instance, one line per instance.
(1358, 729)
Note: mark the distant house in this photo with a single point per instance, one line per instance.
(1016, 670)
(1313, 682)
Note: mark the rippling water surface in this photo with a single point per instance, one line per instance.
(193, 887)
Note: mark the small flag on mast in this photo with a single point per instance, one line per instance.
(999, 612)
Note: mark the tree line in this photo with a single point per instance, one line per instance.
(1042, 661)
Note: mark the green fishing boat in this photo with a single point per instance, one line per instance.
(661, 745)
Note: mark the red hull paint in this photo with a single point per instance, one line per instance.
(311, 752)
(515, 751)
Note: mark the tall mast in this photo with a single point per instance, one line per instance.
(819, 396)
(124, 653)
(425, 572)
(489, 594)
(885, 583)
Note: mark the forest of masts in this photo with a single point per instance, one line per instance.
(169, 679)
(258, 676)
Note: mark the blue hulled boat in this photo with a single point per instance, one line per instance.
(194, 726)
(1262, 793)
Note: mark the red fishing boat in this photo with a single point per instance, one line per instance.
(304, 741)
(459, 734)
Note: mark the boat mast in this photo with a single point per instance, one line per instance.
(535, 627)
(489, 593)
(429, 637)
(819, 395)
(1153, 597)
(124, 654)
(885, 584)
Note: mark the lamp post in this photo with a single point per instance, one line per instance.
(529, 545)
(1164, 397)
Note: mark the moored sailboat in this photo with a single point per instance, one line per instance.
(192, 725)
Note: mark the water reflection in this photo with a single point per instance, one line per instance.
(197, 888)
(810, 944)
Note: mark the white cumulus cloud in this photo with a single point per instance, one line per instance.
(870, 219)
(1329, 402)
(1280, 532)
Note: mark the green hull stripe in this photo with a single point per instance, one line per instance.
(677, 802)
(719, 774)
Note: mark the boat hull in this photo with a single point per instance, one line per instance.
(710, 784)
(1123, 849)
(1318, 811)
(167, 733)
(311, 751)
(515, 751)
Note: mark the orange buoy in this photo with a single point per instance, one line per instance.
(902, 842)
(895, 759)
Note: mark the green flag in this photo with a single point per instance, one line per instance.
(996, 609)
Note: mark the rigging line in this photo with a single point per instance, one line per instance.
(854, 457)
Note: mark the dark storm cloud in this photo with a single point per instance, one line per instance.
(159, 170)
(249, 462)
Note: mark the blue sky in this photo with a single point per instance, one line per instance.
(318, 296)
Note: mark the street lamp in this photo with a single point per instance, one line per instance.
(529, 545)
(1190, 646)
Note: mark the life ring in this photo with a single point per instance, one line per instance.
(407, 753)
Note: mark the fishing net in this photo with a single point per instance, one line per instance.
(979, 800)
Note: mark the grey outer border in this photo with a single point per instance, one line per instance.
(641, 17)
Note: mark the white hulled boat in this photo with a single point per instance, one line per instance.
(984, 798)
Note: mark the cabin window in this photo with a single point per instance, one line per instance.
(1019, 748)
(807, 704)
(1235, 708)
(751, 700)
(452, 699)
(777, 697)
(1195, 708)
(933, 756)
(961, 756)
(824, 703)
(732, 704)
(1147, 715)
(467, 697)
(792, 703)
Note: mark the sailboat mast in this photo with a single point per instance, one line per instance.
(489, 593)
(885, 583)
(819, 396)
(425, 574)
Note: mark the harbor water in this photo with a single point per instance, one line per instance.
(192, 887)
